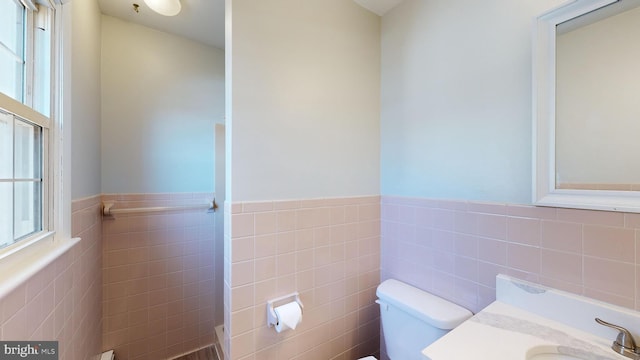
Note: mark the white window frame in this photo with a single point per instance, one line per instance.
(23, 112)
(23, 259)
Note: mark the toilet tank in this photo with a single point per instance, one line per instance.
(412, 318)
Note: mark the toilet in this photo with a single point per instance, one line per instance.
(412, 319)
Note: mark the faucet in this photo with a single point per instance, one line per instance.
(624, 343)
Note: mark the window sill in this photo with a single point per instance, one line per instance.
(21, 263)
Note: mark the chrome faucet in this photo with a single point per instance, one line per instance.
(624, 343)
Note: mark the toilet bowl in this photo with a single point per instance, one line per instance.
(412, 319)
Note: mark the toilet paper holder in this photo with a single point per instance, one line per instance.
(272, 318)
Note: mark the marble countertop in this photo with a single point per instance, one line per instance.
(502, 331)
(528, 319)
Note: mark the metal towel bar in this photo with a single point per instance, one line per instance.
(108, 211)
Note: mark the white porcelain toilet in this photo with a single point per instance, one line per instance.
(412, 319)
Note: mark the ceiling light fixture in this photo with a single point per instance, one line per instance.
(165, 7)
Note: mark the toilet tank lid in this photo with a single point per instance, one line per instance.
(427, 307)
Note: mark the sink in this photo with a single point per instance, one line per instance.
(549, 352)
(532, 322)
(551, 356)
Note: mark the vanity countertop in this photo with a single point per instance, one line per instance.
(502, 331)
(529, 319)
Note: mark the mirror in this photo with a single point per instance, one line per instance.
(586, 106)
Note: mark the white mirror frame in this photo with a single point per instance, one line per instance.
(544, 121)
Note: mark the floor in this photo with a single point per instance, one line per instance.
(208, 353)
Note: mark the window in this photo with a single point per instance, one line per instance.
(20, 178)
(25, 85)
(12, 62)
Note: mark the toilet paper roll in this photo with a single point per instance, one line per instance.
(289, 316)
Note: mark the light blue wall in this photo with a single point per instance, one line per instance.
(456, 99)
(161, 97)
(304, 105)
(84, 97)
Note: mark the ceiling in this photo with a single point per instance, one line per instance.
(379, 7)
(199, 20)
